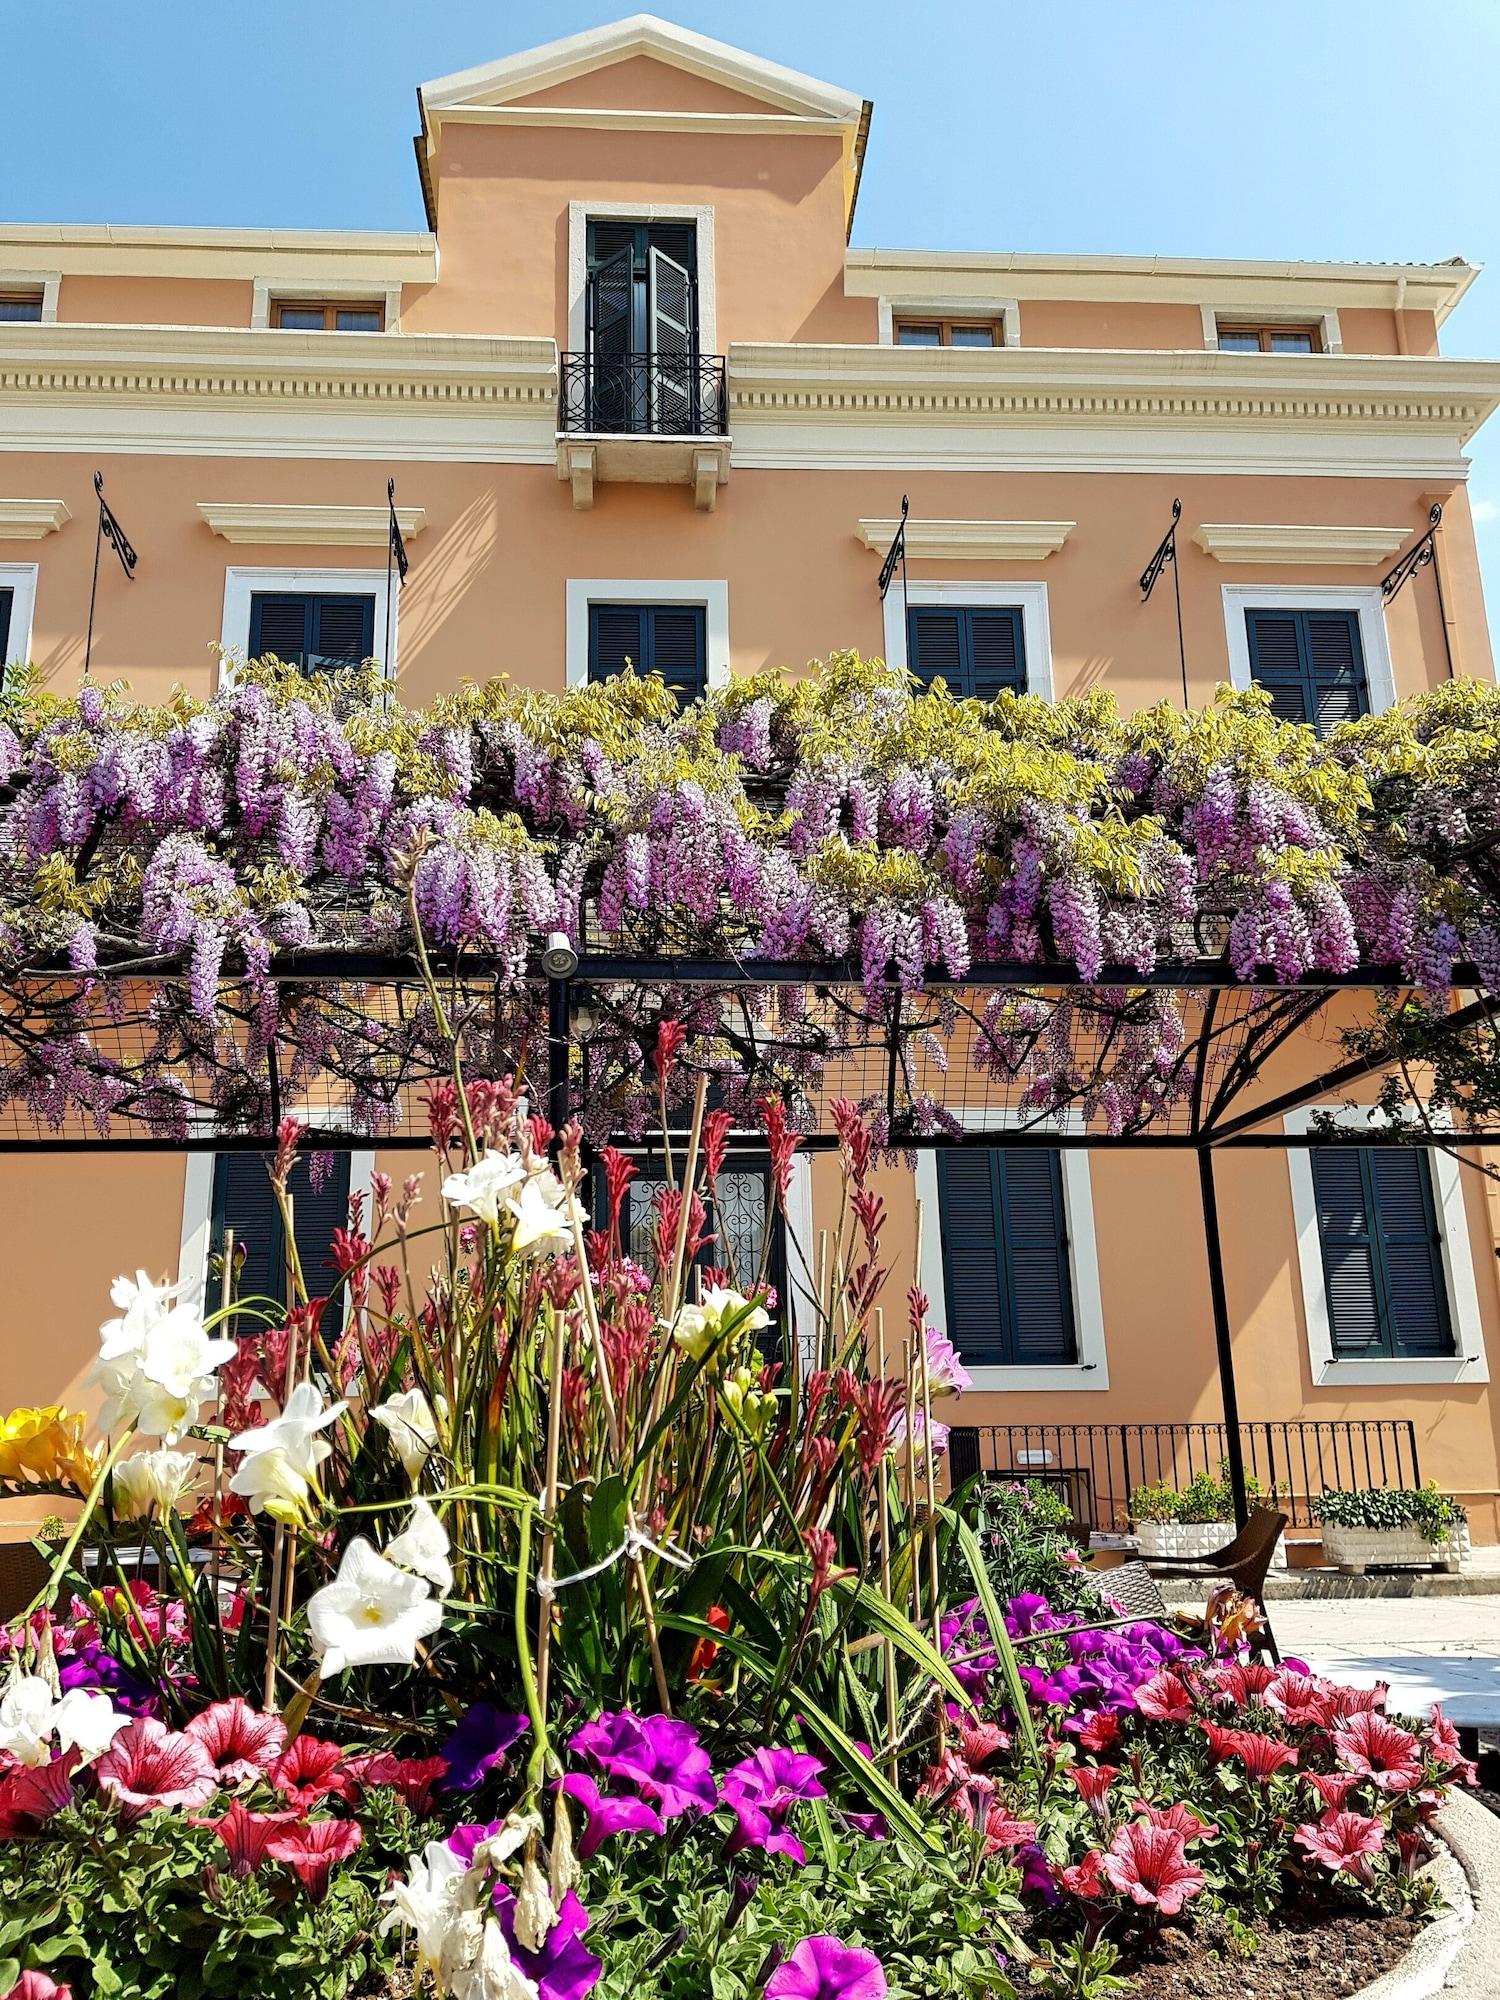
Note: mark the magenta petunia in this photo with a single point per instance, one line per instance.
(608, 1814)
(760, 1791)
(149, 1766)
(242, 1744)
(660, 1756)
(825, 1968)
(1149, 1864)
(1343, 1842)
(311, 1850)
(246, 1833)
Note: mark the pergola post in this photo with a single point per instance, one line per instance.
(559, 1038)
(1215, 1253)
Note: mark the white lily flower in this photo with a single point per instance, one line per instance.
(87, 1723)
(483, 1185)
(371, 1615)
(26, 1712)
(150, 1479)
(427, 1902)
(413, 1428)
(422, 1547)
(540, 1226)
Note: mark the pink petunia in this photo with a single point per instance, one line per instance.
(1447, 1751)
(1300, 1699)
(1262, 1756)
(32, 1793)
(241, 1743)
(1177, 1819)
(309, 1770)
(414, 1778)
(1093, 1782)
(980, 1741)
(825, 1968)
(1164, 1698)
(36, 1985)
(1343, 1842)
(310, 1851)
(1149, 1864)
(1334, 1787)
(1346, 1701)
(149, 1766)
(1002, 1832)
(1236, 1683)
(246, 1834)
(1084, 1879)
(1377, 1749)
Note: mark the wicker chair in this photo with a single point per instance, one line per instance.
(23, 1571)
(1242, 1562)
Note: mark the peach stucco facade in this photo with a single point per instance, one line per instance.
(1048, 462)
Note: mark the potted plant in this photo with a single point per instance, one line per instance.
(1195, 1520)
(1404, 1527)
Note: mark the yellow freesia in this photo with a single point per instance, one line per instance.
(45, 1447)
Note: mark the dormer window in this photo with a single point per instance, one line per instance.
(1250, 337)
(328, 315)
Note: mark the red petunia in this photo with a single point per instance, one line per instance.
(241, 1743)
(1149, 1864)
(1084, 1879)
(32, 1793)
(1343, 1842)
(1177, 1819)
(1093, 1782)
(1098, 1734)
(1262, 1756)
(310, 1769)
(311, 1850)
(149, 1765)
(246, 1834)
(1377, 1749)
(980, 1741)
(1334, 1787)
(1164, 1698)
(415, 1778)
(34, 1985)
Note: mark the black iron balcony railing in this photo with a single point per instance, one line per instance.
(1098, 1466)
(644, 395)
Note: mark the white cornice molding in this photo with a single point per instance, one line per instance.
(1221, 281)
(288, 524)
(373, 257)
(970, 541)
(29, 520)
(1257, 542)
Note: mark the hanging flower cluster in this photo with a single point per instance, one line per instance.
(844, 819)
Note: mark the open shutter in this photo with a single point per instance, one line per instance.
(972, 1230)
(7, 602)
(1410, 1251)
(669, 291)
(616, 401)
(617, 634)
(343, 632)
(1350, 1268)
(243, 1199)
(1041, 1283)
(281, 625)
(678, 648)
(934, 646)
(997, 652)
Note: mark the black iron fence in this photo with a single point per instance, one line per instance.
(650, 395)
(1098, 1466)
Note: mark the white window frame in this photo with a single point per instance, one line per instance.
(20, 578)
(1469, 1364)
(198, 1212)
(241, 584)
(712, 593)
(48, 283)
(271, 290)
(1007, 311)
(1090, 1371)
(582, 213)
(1029, 598)
(1327, 323)
(1366, 600)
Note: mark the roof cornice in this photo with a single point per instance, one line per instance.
(105, 249)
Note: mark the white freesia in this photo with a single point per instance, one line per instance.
(422, 1547)
(150, 1479)
(492, 1974)
(26, 1710)
(483, 1186)
(413, 1427)
(698, 1328)
(141, 1305)
(156, 1362)
(87, 1723)
(371, 1615)
(427, 1902)
(539, 1225)
(278, 1473)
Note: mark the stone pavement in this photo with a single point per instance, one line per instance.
(1428, 1648)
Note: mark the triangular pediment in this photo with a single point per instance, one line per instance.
(645, 83)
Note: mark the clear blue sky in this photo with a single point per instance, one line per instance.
(1293, 128)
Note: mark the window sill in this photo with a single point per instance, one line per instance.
(1400, 1372)
(1078, 1376)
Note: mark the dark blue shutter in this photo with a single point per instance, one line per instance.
(7, 600)
(1311, 663)
(665, 639)
(977, 652)
(314, 632)
(1006, 1271)
(243, 1200)
(1382, 1252)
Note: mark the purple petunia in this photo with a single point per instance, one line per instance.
(825, 1968)
(656, 1770)
(761, 1791)
(482, 1740)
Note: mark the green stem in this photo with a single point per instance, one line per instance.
(537, 1763)
(48, 1592)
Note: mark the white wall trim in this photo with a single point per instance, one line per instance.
(1327, 323)
(280, 523)
(581, 213)
(337, 289)
(969, 541)
(1292, 545)
(1029, 598)
(891, 307)
(1380, 674)
(21, 579)
(198, 1210)
(1470, 1364)
(711, 592)
(1091, 1370)
(241, 584)
(799, 1262)
(48, 283)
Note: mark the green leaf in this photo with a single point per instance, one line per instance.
(968, 1541)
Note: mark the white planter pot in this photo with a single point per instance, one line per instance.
(1354, 1550)
(1187, 1540)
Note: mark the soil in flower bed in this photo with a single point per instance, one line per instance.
(1316, 1955)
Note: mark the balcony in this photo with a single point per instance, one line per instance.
(653, 419)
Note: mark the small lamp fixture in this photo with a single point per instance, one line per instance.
(559, 959)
